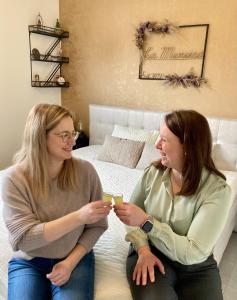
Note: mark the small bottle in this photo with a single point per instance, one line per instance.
(37, 79)
(39, 20)
(57, 25)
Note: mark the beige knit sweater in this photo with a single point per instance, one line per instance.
(25, 217)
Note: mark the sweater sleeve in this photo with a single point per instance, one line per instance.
(18, 215)
(25, 226)
(92, 232)
(134, 234)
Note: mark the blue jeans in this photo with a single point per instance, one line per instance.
(27, 280)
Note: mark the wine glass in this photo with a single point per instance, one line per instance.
(107, 197)
(118, 198)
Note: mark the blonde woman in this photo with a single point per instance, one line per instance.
(51, 212)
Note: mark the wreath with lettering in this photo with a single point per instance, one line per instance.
(187, 80)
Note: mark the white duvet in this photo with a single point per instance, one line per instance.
(111, 250)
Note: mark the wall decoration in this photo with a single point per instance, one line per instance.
(188, 80)
(57, 26)
(35, 54)
(37, 79)
(175, 54)
(145, 28)
(60, 80)
(50, 56)
(39, 20)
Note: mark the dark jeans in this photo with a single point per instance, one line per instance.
(27, 280)
(180, 282)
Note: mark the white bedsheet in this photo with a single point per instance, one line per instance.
(111, 250)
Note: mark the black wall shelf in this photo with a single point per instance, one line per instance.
(35, 56)
(49, 31)
(44, 84)
(51, 58)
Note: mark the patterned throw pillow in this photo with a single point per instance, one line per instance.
(121, 151)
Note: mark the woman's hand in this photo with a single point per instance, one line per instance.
(145, 265)
(130, 214)
(94, 211)
(60, 273)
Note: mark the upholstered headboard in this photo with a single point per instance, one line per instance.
(224, 131)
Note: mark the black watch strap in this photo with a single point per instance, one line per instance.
(147, 225)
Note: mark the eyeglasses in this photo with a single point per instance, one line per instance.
(66, 136)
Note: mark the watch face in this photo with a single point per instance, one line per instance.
(147, 226)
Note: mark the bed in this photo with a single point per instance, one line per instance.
(111, 249)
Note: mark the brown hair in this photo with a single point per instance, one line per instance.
(33, 154)
(194, 134)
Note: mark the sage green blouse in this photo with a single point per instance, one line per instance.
(185, 228)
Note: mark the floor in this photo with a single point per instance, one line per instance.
(228, 269)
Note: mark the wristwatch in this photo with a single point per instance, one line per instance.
(147, 225)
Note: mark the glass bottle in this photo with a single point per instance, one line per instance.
(39, 20)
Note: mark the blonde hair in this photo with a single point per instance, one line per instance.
(33, 155)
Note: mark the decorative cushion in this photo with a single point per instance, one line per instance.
(224, 156)
(135, 134)
(149, 154)
(121, 151)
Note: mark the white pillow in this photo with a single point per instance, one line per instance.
(135, 134)
(224, 156)
(149, 154)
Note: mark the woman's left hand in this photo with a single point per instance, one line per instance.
(60, 274)
(146, 263)
(130, 214)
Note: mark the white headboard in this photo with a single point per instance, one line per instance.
(224, 132)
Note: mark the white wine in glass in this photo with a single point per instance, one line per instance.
(107, 197)
(118, 198)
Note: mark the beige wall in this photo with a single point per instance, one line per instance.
(17, 95)
(104, 59)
